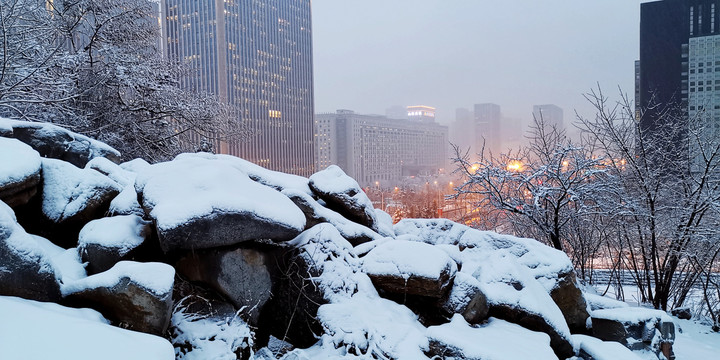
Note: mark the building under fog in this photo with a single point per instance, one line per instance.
(374, 148)
(257, 56)
(551, 115)
(488, 134)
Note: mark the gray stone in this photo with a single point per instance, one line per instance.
(636, 328)
(104, 242)
(241, 275)
(467, 299)
(569, 298)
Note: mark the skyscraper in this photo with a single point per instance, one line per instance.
(257, 56)
(551, 115)
(487, 127)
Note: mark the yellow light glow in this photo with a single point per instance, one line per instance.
(514, 166)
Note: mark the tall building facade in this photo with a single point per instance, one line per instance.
(257, 56)
(679, 68)
(374, 148)
(551, 115)
(488, 120)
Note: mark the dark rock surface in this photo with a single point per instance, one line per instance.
(343, 194)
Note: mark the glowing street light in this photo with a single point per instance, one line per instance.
(514, 166)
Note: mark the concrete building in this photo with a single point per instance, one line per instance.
(551, 115)
(373, 148)
(421, 113)
(488, 120)
(257, 56)
(462, 132)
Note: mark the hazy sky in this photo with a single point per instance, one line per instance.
(372, 54)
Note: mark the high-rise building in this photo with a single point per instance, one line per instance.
(462, 132)
(373, 148)
(487, 127)
(551, 115)
(257, 56)
(679, 68)
(421, 113)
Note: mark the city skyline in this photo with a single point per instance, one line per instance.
(426, 52)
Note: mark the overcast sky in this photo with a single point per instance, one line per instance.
(372, 54)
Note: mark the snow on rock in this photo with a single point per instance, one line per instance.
(494, 340)
(19, 172)
(112, 170)
(126, 203)
(274, 179)
(467, 299)
(318, 267)
(136, 295)
(408, 267)
(374, 327)
(135, 166)
(385, 223)
(431, 231)
(198, 337)
(200, 203)
(596, 349)
(30, 266)
(73, 194)
(513, 294)
(639, 329)
(315, 213)
(104, 242)
(241, 275)
(597, 302)
(55, 142)
(343, 194)
(33, 330)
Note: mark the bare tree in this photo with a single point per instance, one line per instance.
(95, 66)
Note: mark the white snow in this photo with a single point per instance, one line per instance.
(274, 179)
(494, 340)
(431, 231)
(332, 257)
(604, 350)
(403, 258)
(112, 170)
(155, 277)
(628, 315)
(373, 326)
(126, 203)
(17, 161)
(67, 189)
(385, 223)
(695, 341)
(135, 166)
(597, 302)
(334, 181)
(192, 187)
(213, 338)
(31, 330)
(122, 233)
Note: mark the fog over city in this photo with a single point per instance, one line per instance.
(373, 54)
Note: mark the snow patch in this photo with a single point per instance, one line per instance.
(407, 258)
(122, 233)
(17, 161)
(157, 278)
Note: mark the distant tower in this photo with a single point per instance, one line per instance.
(396, 112)
(421, 113)
(462, 132)
(487, 127)
(257, 56)
(551, 115)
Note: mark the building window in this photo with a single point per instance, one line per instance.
(692, 19)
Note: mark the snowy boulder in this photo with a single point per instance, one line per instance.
(241, 275)
(41, 330)
(597, 302)
(104, 242)
(570, 300)
(494, 340)
(636, 328)
(591, 348)
(408, 267)
(385, 223)
(514, 295)
(198, 204)
(133, 295)
(19, 172)
(343, 194)
(55, 142)
(316, 268)
(431, 231)
(315, 213)
(467, 299)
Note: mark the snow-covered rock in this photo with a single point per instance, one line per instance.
(467, 299)
(638, 329)
(385, 223)
(431, 231)
(19, 172)
(513, 294)
(104, 242)
(55, 142)
(133, 295)
(32, 267)
(409, 267)
(343, 194)
(241, 275)
(494, 340)
(39, 330)
(315, 213)
(70, 192)
(198, 203)
(597, 302)
(591, 348)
